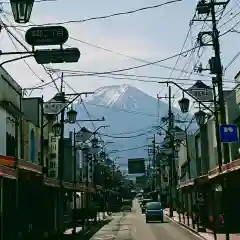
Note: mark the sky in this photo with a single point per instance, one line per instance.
(148, 35)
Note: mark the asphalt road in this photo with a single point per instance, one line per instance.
(132, 226)
(140, 230)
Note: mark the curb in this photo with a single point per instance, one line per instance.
(189, 229)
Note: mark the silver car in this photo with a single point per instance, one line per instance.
(154, 212)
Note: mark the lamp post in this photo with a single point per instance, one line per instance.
(58, 130)
(94, 149)
(22, 10)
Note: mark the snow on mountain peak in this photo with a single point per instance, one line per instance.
(109, 95)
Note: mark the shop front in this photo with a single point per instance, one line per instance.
(8, 203)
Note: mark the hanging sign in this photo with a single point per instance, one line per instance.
(53, 156)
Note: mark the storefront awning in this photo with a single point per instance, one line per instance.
(226, 168)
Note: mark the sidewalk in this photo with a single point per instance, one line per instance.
(114, 230)
(100, 217)
(208, 235)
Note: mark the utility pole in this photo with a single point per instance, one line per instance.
(216, 68)
(189, 175)
(171, 157)
(75, 182)
(61, 161)
(154, 162)
(216, 46)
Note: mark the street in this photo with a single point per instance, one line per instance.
(132, 226)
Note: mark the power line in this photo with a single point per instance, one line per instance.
(101, 17)
(126, 137)
(26, 48)
(130, 57)
(140, 78)
(129, 149)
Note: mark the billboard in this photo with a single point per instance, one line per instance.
(136, 165)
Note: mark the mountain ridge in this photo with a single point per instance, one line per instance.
(127, 110)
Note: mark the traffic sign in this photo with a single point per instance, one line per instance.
(47, 56)
(228, 133)
(50, 35)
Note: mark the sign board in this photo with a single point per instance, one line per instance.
(201, 92)
(53, 156)
(50, 35)
(228, 133)
(53, 107)
(136, 165)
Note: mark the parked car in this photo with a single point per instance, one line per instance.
(143, 204)
(154, 212)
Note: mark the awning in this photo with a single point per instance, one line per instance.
(186, 183)
(226, 168)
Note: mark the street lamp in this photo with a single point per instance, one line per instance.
(200, 117)
(184, 105)
(22, 10)
(72, 116)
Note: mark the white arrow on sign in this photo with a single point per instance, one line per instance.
(228, 129)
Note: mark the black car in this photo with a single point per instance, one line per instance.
(143, 204)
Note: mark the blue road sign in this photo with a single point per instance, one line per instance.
(228, 133)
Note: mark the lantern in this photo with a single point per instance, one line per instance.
(22, 10)
(56, 128)
(184, 105)
(71, 116)
(102, 155)
(200, 117)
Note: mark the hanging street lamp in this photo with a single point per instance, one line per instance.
(200, 117)
(71, 116)
(184, 105)
(22, 10)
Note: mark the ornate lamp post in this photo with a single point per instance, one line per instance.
(22, 10)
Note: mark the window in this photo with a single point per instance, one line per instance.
(10, 145)
(32, 146)
(154, 206)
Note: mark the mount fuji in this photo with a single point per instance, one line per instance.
(132, 116)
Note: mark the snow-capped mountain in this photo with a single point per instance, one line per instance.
(132, 116)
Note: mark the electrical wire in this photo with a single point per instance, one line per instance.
(130, 57)
(126, 137)
(129, 149)
(101, 17)
(26, 48)
(150, 63)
